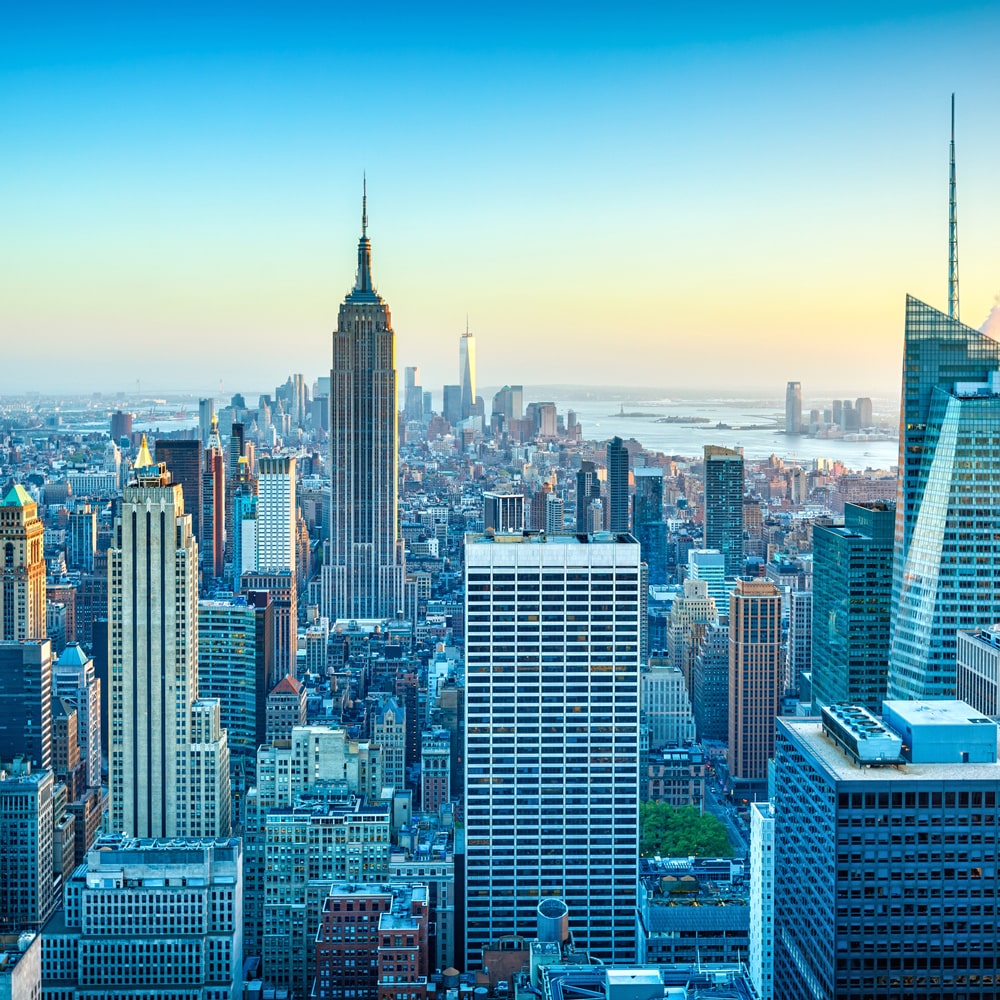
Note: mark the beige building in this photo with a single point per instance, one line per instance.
(22, 568)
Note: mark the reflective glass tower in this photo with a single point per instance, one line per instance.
(948, 502)
(364, 578)
(724, 505)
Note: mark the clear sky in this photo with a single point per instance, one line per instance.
(717, 195)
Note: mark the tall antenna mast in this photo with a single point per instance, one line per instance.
(952, 226)
(364, 186)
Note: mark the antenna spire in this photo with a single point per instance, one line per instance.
(952, 225)
(364, 198)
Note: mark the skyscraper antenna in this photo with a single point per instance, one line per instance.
(952, 225)
(364, 204)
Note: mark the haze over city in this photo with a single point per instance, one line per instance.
(731, 195)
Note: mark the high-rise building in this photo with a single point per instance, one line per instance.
(555, 514)
(183, 459)
(798, 651)
(26, 702)
(552, 737)
(212, 540)
(75, 681)
(666, 704)
(884, 855)
(588, 488)
(617, 463)
(413, 394)
(761, 951)
(276, 513)
(710, 683)
(793, 408)
(852, 595)
(22, 568)
(691, 615)
(723, 498)
(647, 505)
(365, 575)
(282, 590)
(467, 372)
(947, 543)
(503, 512)
(754, 678)
(121, 426)
(509, 402)
(451, 404)
(206, 414)
(26, 849)
(153, 643)
(709, 565)
(150, 918)
(977, 663)
(863, 409)
(81, 538)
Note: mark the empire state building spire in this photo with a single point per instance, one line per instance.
(363, 577)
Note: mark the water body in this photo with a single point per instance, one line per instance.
(753, 426)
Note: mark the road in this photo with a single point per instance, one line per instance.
(718, 806)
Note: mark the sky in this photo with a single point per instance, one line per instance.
(716, 196)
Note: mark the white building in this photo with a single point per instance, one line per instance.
(710, 565)
(666, 705)
(149, 918)
(761, 958)
(276, 514)
(552, 737)
(74, 680)
(977, 663)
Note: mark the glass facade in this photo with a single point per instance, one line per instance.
(947, 523)
(724, 505)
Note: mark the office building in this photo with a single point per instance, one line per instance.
(281, 587)
(149, 918)
(691, 615)
(75, 681)
(710, 683)
(947, 546)
(364, 578)
(286, 709)
(26, 702)
(184, 460)
(798, 649)
(793, 408)
(666, 704)
(467, 372)
(373, 942)
(617, 465)
(22, 568)
(389, 732)
(647, 521)
(885, 869)
(435, 770)
(509, 402)
(555, 514)
(503, 512)
(761, 951)
(723, 499)
(276, 513)
(977, 664)
(852, 598)
(206, 414)
(81, 538)
(552, 747)
(709, 565)
(121, 426)
(588, 489)
(27, 896)
(212, 541)
(754, 678)
(153, 643)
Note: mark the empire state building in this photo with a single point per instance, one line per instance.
(365, 573)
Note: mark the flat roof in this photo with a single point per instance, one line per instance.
(935, 713)
(830, 758)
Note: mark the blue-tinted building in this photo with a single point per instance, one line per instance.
(948, 508)
(851, 600)
(724, 505)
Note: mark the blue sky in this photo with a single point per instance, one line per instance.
(719, 195)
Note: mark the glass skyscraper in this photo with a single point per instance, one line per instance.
(948, 505)
(724, 505)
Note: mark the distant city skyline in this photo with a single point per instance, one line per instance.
(181, 198)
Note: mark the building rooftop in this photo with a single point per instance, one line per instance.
(551, 538)
(17, 496)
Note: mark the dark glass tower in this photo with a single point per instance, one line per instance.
(724, 505)
(617, 485)
(364, 578)
(588, 487)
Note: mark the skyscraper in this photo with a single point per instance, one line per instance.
(852, 596)
(183, 459)
(213, 503)
(467, 371)
(724, 505)
(365, 576)
(552, 737)
(153, 643)
(26, 702)
(754, 678)
(617, 462)
(22, 568)
(647, 521)
(503, 512)
(793, 408)
(588, 488)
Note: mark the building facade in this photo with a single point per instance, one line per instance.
(977, 663)
(723, 499)
(552, 713)
(22, 568)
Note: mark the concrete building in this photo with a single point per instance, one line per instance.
(709, 566)
(75, 681)
(761, 951)
(754, 679)
(552, 713)
(885, 853)
(20, 966)
(723, 500)
(691, 615)
(26, 701)
(852, 598)
(977, 662)
(149, 918)
(22, 568)
(366, 569)
(435, 770)
(674, 775)
(389, 732)
(27, 886)
(286, 709)
(665, 706)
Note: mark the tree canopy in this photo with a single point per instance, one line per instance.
(680, 833)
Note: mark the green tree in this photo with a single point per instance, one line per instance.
(677, 833)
